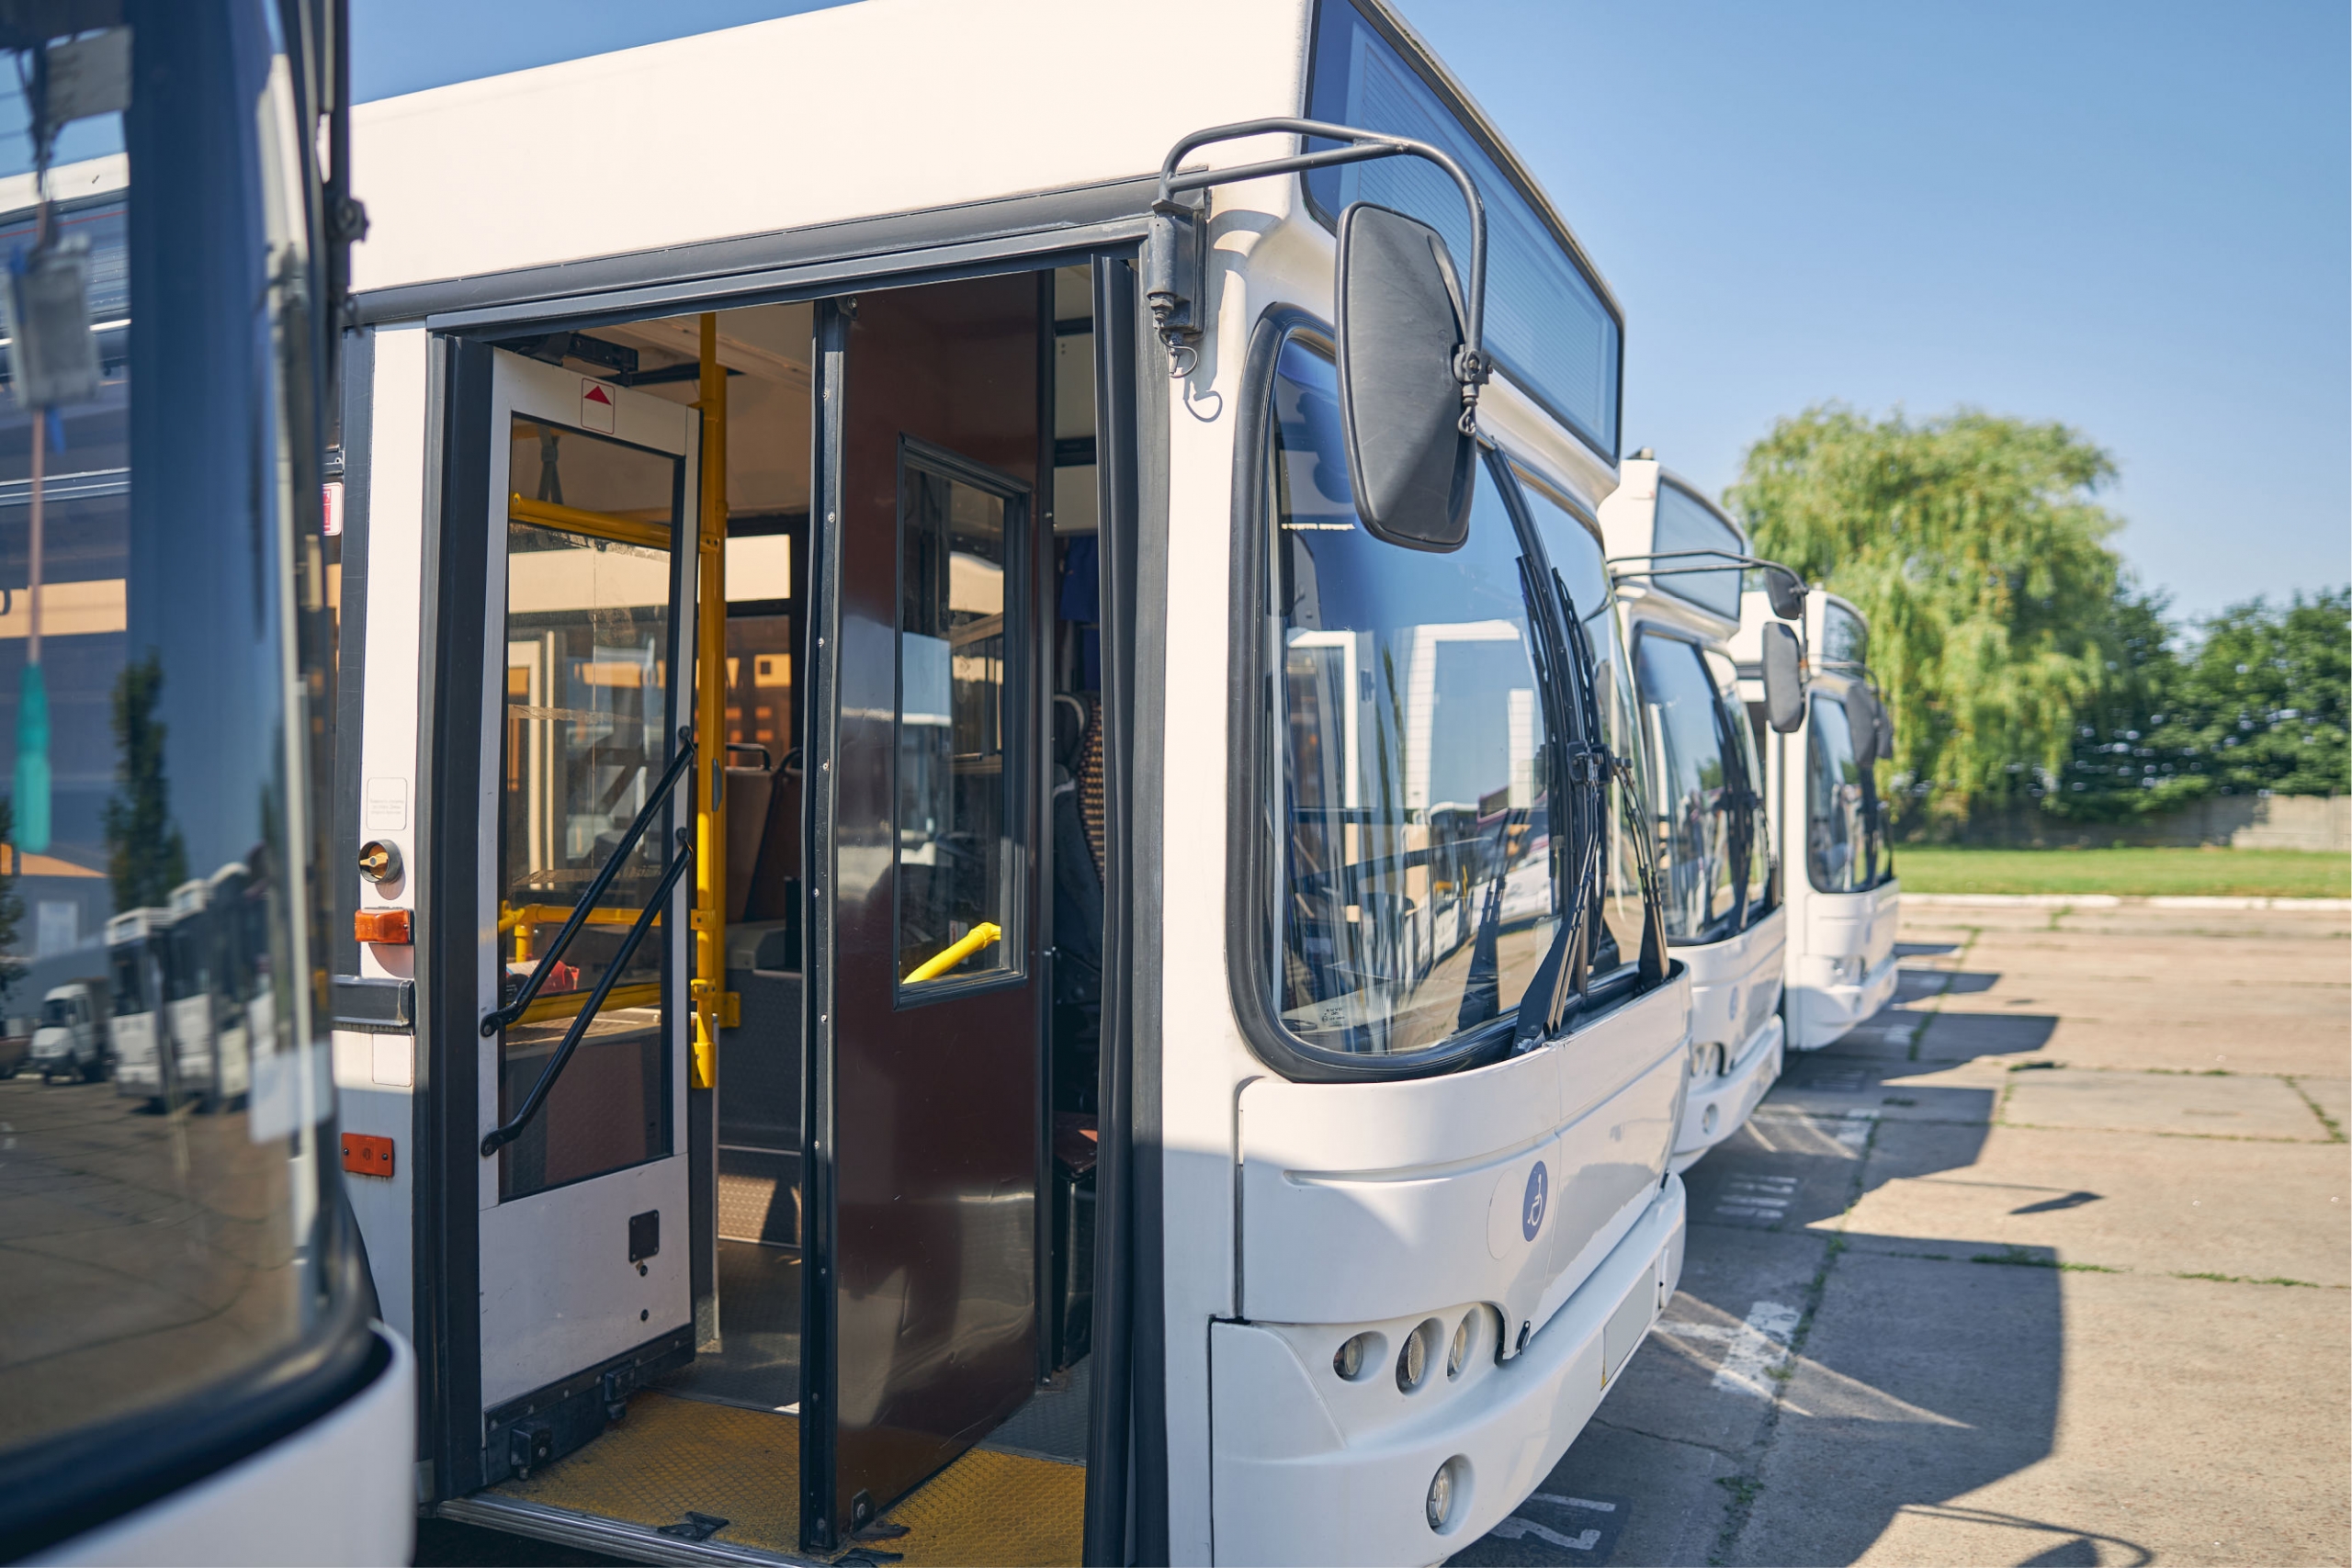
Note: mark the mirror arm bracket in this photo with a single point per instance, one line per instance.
(1176, 249)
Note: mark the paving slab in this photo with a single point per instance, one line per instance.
(2334, 1098)
(1967, 1413)
(1617, 1498)
(2233, 1106)
(2132, 1200)
(1702, 1376)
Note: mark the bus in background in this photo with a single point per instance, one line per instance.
(1677, 562)
(1154, 760)
(137, 952)
(191, 1372)
(1822, 777)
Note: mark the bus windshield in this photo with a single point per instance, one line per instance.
(1417, 886)
(1693, 779)
(1842, 829)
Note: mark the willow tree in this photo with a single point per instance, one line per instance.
(1974, 544)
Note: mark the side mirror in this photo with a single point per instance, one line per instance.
(1409, 460)
(1786, 591)
(1885, 729)
(1783, 679)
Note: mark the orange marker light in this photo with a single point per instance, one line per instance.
(364, 1155)
(388, 927)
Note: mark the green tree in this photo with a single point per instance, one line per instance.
(146, 856)
(1975, 546)
(2120, 768)
(2261, 703)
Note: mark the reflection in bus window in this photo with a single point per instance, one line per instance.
(1417, 877)
(959, 610)
(1576, 558)
(1693, 804)
(587, 734)
(176, 1250)
(1841, 805)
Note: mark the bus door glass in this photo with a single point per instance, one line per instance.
(585, 604)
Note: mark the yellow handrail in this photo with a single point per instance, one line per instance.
(521, 508)
(939, 962)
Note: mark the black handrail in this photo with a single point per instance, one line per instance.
(579, 917)
(507, 1132)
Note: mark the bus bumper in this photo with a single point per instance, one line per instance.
(1818, 1014)
(1721, 1106)
(1292, 1484)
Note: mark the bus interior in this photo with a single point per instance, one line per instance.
(966, 750)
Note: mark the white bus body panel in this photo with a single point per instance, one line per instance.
(338, 1491)
(1734, 1003)
(1301, 1479)
(998, 99)
(375, 1074)
(137, 1069)
(1847, 970)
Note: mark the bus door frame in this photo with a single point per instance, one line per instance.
(1127, 1497)
(456, 1185)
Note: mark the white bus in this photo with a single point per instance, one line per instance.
(191, 1370)
(138, 948)
(1156, 1045)
(1679, 562)
(1821, 778)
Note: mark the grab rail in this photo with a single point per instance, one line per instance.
(580, 911)
(511, 1128)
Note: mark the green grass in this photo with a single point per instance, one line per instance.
(2273, 874)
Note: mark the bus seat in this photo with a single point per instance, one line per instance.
(746, 794)
(772, 891)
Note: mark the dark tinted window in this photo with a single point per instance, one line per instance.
(1845, 638)
(173, 1235)
(1546, 323)
(1686, 523)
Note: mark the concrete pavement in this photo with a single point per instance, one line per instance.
(2047, 1264)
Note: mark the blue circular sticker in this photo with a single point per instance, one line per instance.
(1530, 1209)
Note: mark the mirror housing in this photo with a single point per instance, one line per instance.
(1412, 460)
(1785, 589)
(1885, 729)
(1783, 679)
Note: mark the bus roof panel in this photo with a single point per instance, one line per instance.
(883, 107)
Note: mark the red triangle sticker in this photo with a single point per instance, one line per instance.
(596, 395)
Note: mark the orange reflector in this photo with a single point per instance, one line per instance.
(365, 1155)
(387, 926)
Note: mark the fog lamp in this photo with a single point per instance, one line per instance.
(1441, 1502)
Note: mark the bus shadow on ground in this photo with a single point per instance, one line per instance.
(1810, 1391)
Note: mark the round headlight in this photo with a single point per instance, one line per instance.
(1350, 1360)
(1458, 1353)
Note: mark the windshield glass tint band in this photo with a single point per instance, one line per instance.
(1547, 325)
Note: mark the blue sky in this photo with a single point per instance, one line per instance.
(2133, 216)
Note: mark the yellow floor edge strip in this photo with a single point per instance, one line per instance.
(673, 1456)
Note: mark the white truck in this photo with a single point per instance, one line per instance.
(71, 1041)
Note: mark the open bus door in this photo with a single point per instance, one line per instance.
(567, 1140)
(922, 1295)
